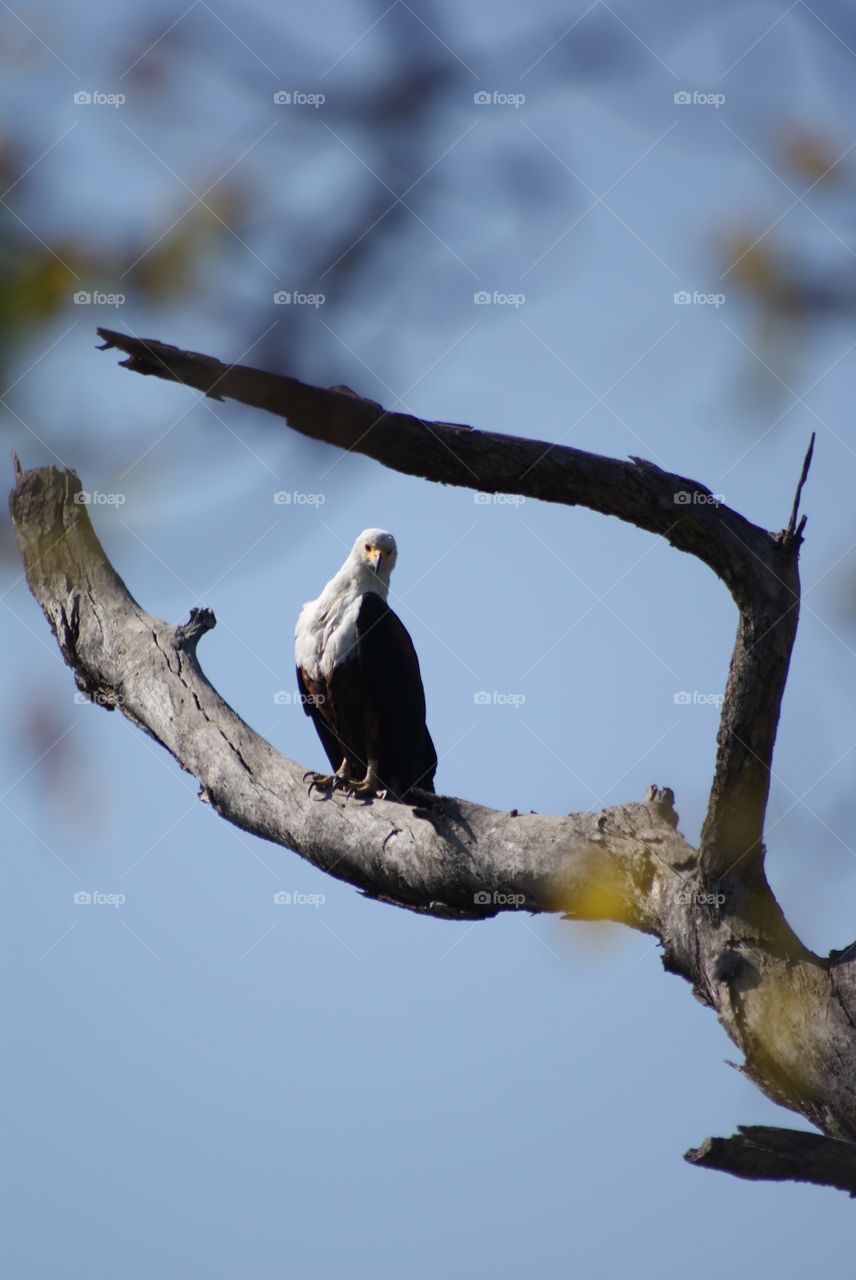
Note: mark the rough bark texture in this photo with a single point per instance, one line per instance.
(758, 1151)
(789, 1011)
(759, 568)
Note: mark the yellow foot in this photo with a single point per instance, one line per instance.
(324, 781)
(368, 787)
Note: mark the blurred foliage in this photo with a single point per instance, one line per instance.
(791, 290)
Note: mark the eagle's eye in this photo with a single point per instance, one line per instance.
(386, 553)
(368, 546)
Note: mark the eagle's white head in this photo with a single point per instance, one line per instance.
(373, 557)
(325, 632)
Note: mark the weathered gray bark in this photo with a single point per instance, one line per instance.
(782, 1155)
(788, 1010)
(759, 568)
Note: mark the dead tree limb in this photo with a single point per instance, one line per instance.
(759, 568)
(790, 1012)
(780, 1155)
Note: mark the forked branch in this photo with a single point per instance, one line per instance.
(759, 568)
(791, 1013)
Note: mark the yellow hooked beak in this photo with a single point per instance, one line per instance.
(374, 558)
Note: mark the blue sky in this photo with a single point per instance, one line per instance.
(207, 1082)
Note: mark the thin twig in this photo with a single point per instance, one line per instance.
(792, 530)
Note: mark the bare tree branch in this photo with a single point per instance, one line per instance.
(794, 529)
(759, 568)
(719, 924)
(790, 1012)
(684, 512)
(759, 1152)
(453, 859)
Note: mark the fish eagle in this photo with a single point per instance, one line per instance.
(359, 680)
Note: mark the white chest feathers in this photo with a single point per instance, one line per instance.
(326, 634)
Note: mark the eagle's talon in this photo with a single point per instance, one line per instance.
(323, 781)
(368, 788)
